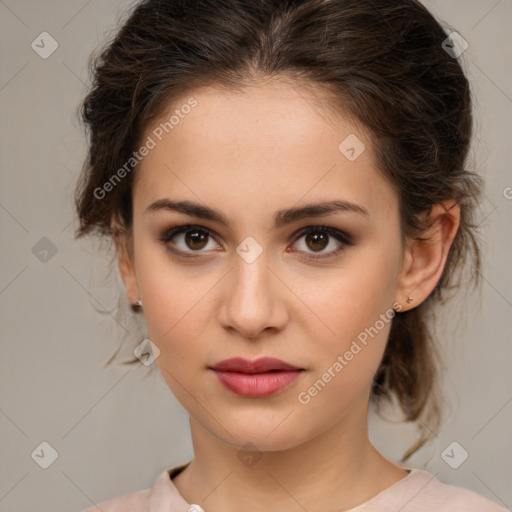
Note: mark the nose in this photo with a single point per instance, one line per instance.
(254, 301)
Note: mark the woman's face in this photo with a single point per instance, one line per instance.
(258, 285)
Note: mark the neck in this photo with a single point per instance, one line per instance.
(339, 469)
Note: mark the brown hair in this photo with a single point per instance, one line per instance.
(386, 66)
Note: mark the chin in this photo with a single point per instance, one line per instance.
(266, 434)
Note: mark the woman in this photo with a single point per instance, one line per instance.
(286, 187)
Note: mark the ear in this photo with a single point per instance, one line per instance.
(124, 249)
(424, 260)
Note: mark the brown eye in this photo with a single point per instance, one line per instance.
(187, 240)
(317, 241)
(196, 239)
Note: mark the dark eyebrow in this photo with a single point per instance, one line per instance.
(281, 218)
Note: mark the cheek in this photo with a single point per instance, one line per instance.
(343, 371)
(344, 302)
(348, 324)
(172, 293)
(175, 327)
(175, 322)
(173, 309)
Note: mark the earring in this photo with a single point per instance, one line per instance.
(409, 300)
(137, 306)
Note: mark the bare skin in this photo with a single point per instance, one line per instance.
(249, 154)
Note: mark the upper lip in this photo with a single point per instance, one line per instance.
(261, 365)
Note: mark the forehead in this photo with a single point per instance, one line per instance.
(262, 146)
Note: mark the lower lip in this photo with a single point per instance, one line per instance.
(257, 385)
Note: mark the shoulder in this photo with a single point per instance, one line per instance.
(430, 492)
(134, 502)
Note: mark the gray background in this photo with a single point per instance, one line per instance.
(114, 429)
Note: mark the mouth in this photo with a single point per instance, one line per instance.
(261, 365)
(256, 379)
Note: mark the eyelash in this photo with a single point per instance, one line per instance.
(344, 239)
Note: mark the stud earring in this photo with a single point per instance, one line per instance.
(137, 306)
(409, 300)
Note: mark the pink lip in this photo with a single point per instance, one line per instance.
(259, 378)
(261, 365)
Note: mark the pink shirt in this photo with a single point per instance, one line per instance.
(419, 491)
